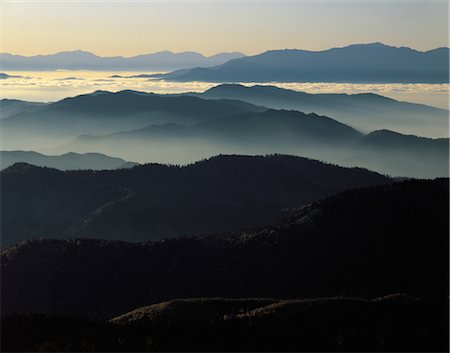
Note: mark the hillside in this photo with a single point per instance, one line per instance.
(375, 62)
(361, 243)
(158, 201)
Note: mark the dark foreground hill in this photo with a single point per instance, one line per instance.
(67, 161)
(362, 243)
(391, 323)
(154, 201)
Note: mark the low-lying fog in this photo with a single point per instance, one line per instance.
(43, 86)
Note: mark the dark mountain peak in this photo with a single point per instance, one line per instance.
(283, 112)
(99, 92)
(9, 100)
(238, 88)
(239, 158)
(386, 139)
(232, 55)
(23, 168)
(384, 134)
(368, 45)
(375, 48)
(389, 134)
(373, 97)
(75, 54)
(133, 92)
(376, 44)
(226, 87)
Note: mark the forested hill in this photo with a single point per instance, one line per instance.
(156, 201)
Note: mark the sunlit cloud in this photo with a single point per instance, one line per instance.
(51, 86)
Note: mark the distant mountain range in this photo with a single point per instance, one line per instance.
(278, 131)
(105, 112)
(68, 161)
(269, 129)
(82, 60)
(364, 111)
(156, 201)
(362, 243)
(359, 63)
(185, 128)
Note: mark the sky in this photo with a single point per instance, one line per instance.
(127, 28)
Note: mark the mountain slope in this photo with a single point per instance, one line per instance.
(156, 201)
(63, 162)
(366, 111)
(107, 112)
(361, 243)
(364, 63)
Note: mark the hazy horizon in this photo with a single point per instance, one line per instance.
(75, 50)
(110, 28)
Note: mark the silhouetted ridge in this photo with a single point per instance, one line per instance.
(391, 323)
(157, 201)
(365, 243)
(26, 168)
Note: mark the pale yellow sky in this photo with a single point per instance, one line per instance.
(129, 28)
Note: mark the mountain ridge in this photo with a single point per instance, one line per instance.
(278, 131)
(362, 63)
(79, 59)
(155, 201)
(365, 111)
